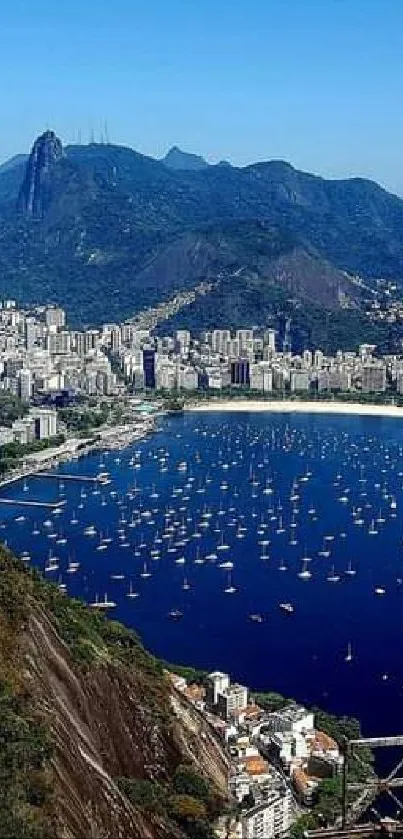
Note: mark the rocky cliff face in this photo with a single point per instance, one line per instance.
(35, 193)
(103, 719)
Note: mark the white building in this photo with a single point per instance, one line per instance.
(45, 423)
(270, 819)
(188, 378)
(299, 380)
(55, 316)
(217, 682)
(25, 385)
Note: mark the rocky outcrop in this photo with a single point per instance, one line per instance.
(35, 192)
(101, 714)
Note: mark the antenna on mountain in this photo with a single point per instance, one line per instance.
(92, 137)
(106, 133)
(79, 137)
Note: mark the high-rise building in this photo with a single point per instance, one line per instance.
(30, 333)
(216, 683)
(299, 380)
(245, 337)
(270, 339)
(149, 368)
(187, 378)
(55, 316)
(240, 372)
(25, 385)
(183, 338)
(91, 341)
(219, 340)
(45, 423)
(270, 819)
(116, 338)
(373, 377)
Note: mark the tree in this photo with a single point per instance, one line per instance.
(188, 782)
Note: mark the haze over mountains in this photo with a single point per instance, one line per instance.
(105, 231)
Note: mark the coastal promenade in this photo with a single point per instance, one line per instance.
(117, 437)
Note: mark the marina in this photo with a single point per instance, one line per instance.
(268, 546)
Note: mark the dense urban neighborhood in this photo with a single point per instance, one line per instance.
(278, 759)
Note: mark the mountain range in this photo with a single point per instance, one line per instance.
(106, 231)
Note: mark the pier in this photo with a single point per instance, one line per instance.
(52, 505)
(59, 476)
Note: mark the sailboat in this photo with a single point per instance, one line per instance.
(324, 551)
(229, 588)
(264, 554)
(199, 560)
(222, 546)
(72, 567)
(281, 528)
(145, 572)
(350, 571)
(349, 655)
(287, 607)
(304, 574)
(102, 546)
(332, 577)
(103, 604)
(52, 563)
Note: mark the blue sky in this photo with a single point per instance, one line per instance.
(315, 82)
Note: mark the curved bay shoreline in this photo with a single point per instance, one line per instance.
(298, 407)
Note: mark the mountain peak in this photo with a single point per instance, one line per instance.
(34, 195)
(182, 160)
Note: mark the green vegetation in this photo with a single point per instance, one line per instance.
(11, 408)
(82, 419)
(183, 800)
(154, 232)
(271, 701)
(174, 404)
(12, 453)
(191, 674)
(25, 751)
(187, 801)
(25, 748)
(148, 796)
(329, 794)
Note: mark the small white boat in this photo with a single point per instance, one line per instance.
(230, 588)
(288, 608)
(103, 604)
(131, 593)
(304, 574)
(90, 530)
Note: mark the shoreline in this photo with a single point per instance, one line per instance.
(109, 438)
(288, 406)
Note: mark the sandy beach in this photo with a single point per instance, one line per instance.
(295, 407)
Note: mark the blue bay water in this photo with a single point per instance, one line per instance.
(300, 654)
